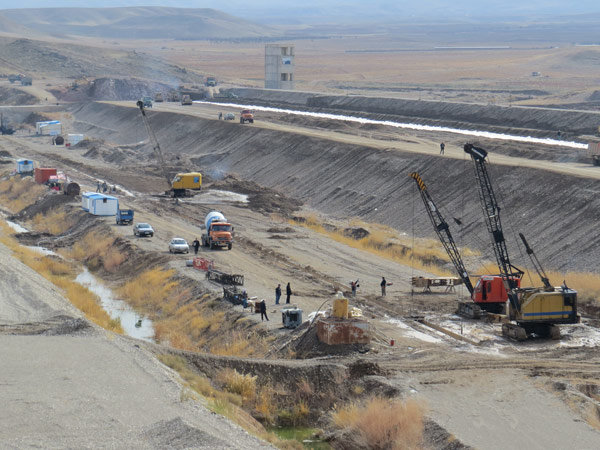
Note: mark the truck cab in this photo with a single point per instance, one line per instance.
(246, 116)
(219, 234)
(124, 216)
(211, 81)
(147, 101)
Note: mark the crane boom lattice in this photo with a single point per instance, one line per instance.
(443, 231)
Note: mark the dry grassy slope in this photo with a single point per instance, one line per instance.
(139, 23)
(447, 113)
(557, 213)
(43, 59)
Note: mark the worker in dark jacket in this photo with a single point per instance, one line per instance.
(277, 294)
(263, 311)
(383, 284)
(288, 293)
(196, 245)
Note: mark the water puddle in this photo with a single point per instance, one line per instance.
(409, 331)
(118, 308)
(409, 126)
(216, 197)
(42, 250)
(16, 227)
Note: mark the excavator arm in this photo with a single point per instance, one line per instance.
(491, 212)
(155, 145)
(442, 229)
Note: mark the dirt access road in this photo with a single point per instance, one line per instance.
(426, 143)
(69, 384)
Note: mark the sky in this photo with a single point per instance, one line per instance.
(336, 11)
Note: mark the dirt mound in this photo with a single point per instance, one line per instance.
(51, 200)
(303, 341)
(176, 434)
(15, 97)
(34, 117)
(595, 97)
(260, 199)
(356, 233)
(111, 89)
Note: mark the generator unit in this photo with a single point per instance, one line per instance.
(291, 317)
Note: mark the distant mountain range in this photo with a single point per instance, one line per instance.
(132, 23)
(344, 12)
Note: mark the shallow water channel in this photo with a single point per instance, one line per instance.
(118, 309)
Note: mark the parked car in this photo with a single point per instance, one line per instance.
(178, 245)
(229, 116)
(143, 229)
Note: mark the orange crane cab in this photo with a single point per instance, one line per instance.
(489, 290)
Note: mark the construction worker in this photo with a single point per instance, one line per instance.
(98, 187)
(196, 245)
(277, 294)
(354, 285)
(442, 147)
(220, 115)
(288, 293)
(263, 310)
(383, 284)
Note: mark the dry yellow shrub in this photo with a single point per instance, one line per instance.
(384, 423)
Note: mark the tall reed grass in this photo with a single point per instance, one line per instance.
(18, 193)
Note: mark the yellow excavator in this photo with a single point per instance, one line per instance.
(535, 310)
(183, 183)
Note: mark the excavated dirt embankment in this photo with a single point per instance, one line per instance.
(558, 213)
(537, 121)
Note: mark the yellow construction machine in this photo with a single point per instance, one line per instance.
(183, 183)
(535, 310)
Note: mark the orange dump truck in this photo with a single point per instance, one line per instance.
(219, 232)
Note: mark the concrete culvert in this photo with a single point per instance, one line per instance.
(59, 140)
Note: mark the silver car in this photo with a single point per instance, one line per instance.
(178, 245)
(143, 229)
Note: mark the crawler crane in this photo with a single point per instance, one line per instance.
(489, 293)
(531, 310)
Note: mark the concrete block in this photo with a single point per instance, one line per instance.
(334, 331)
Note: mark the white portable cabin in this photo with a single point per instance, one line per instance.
(75, 139)
(99, 204)
(50, 127)
(24, 166)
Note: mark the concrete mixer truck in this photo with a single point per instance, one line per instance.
(219, 232)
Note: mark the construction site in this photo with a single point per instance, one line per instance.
(318, 270)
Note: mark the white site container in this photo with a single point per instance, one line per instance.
(99, 204)
(85, 200)
(24, 166)
(103, 205)
(75, 139)
(49, 127)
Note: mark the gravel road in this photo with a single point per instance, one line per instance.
(67, 384)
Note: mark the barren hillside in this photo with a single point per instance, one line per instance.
(138, 23)
(557, 212)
